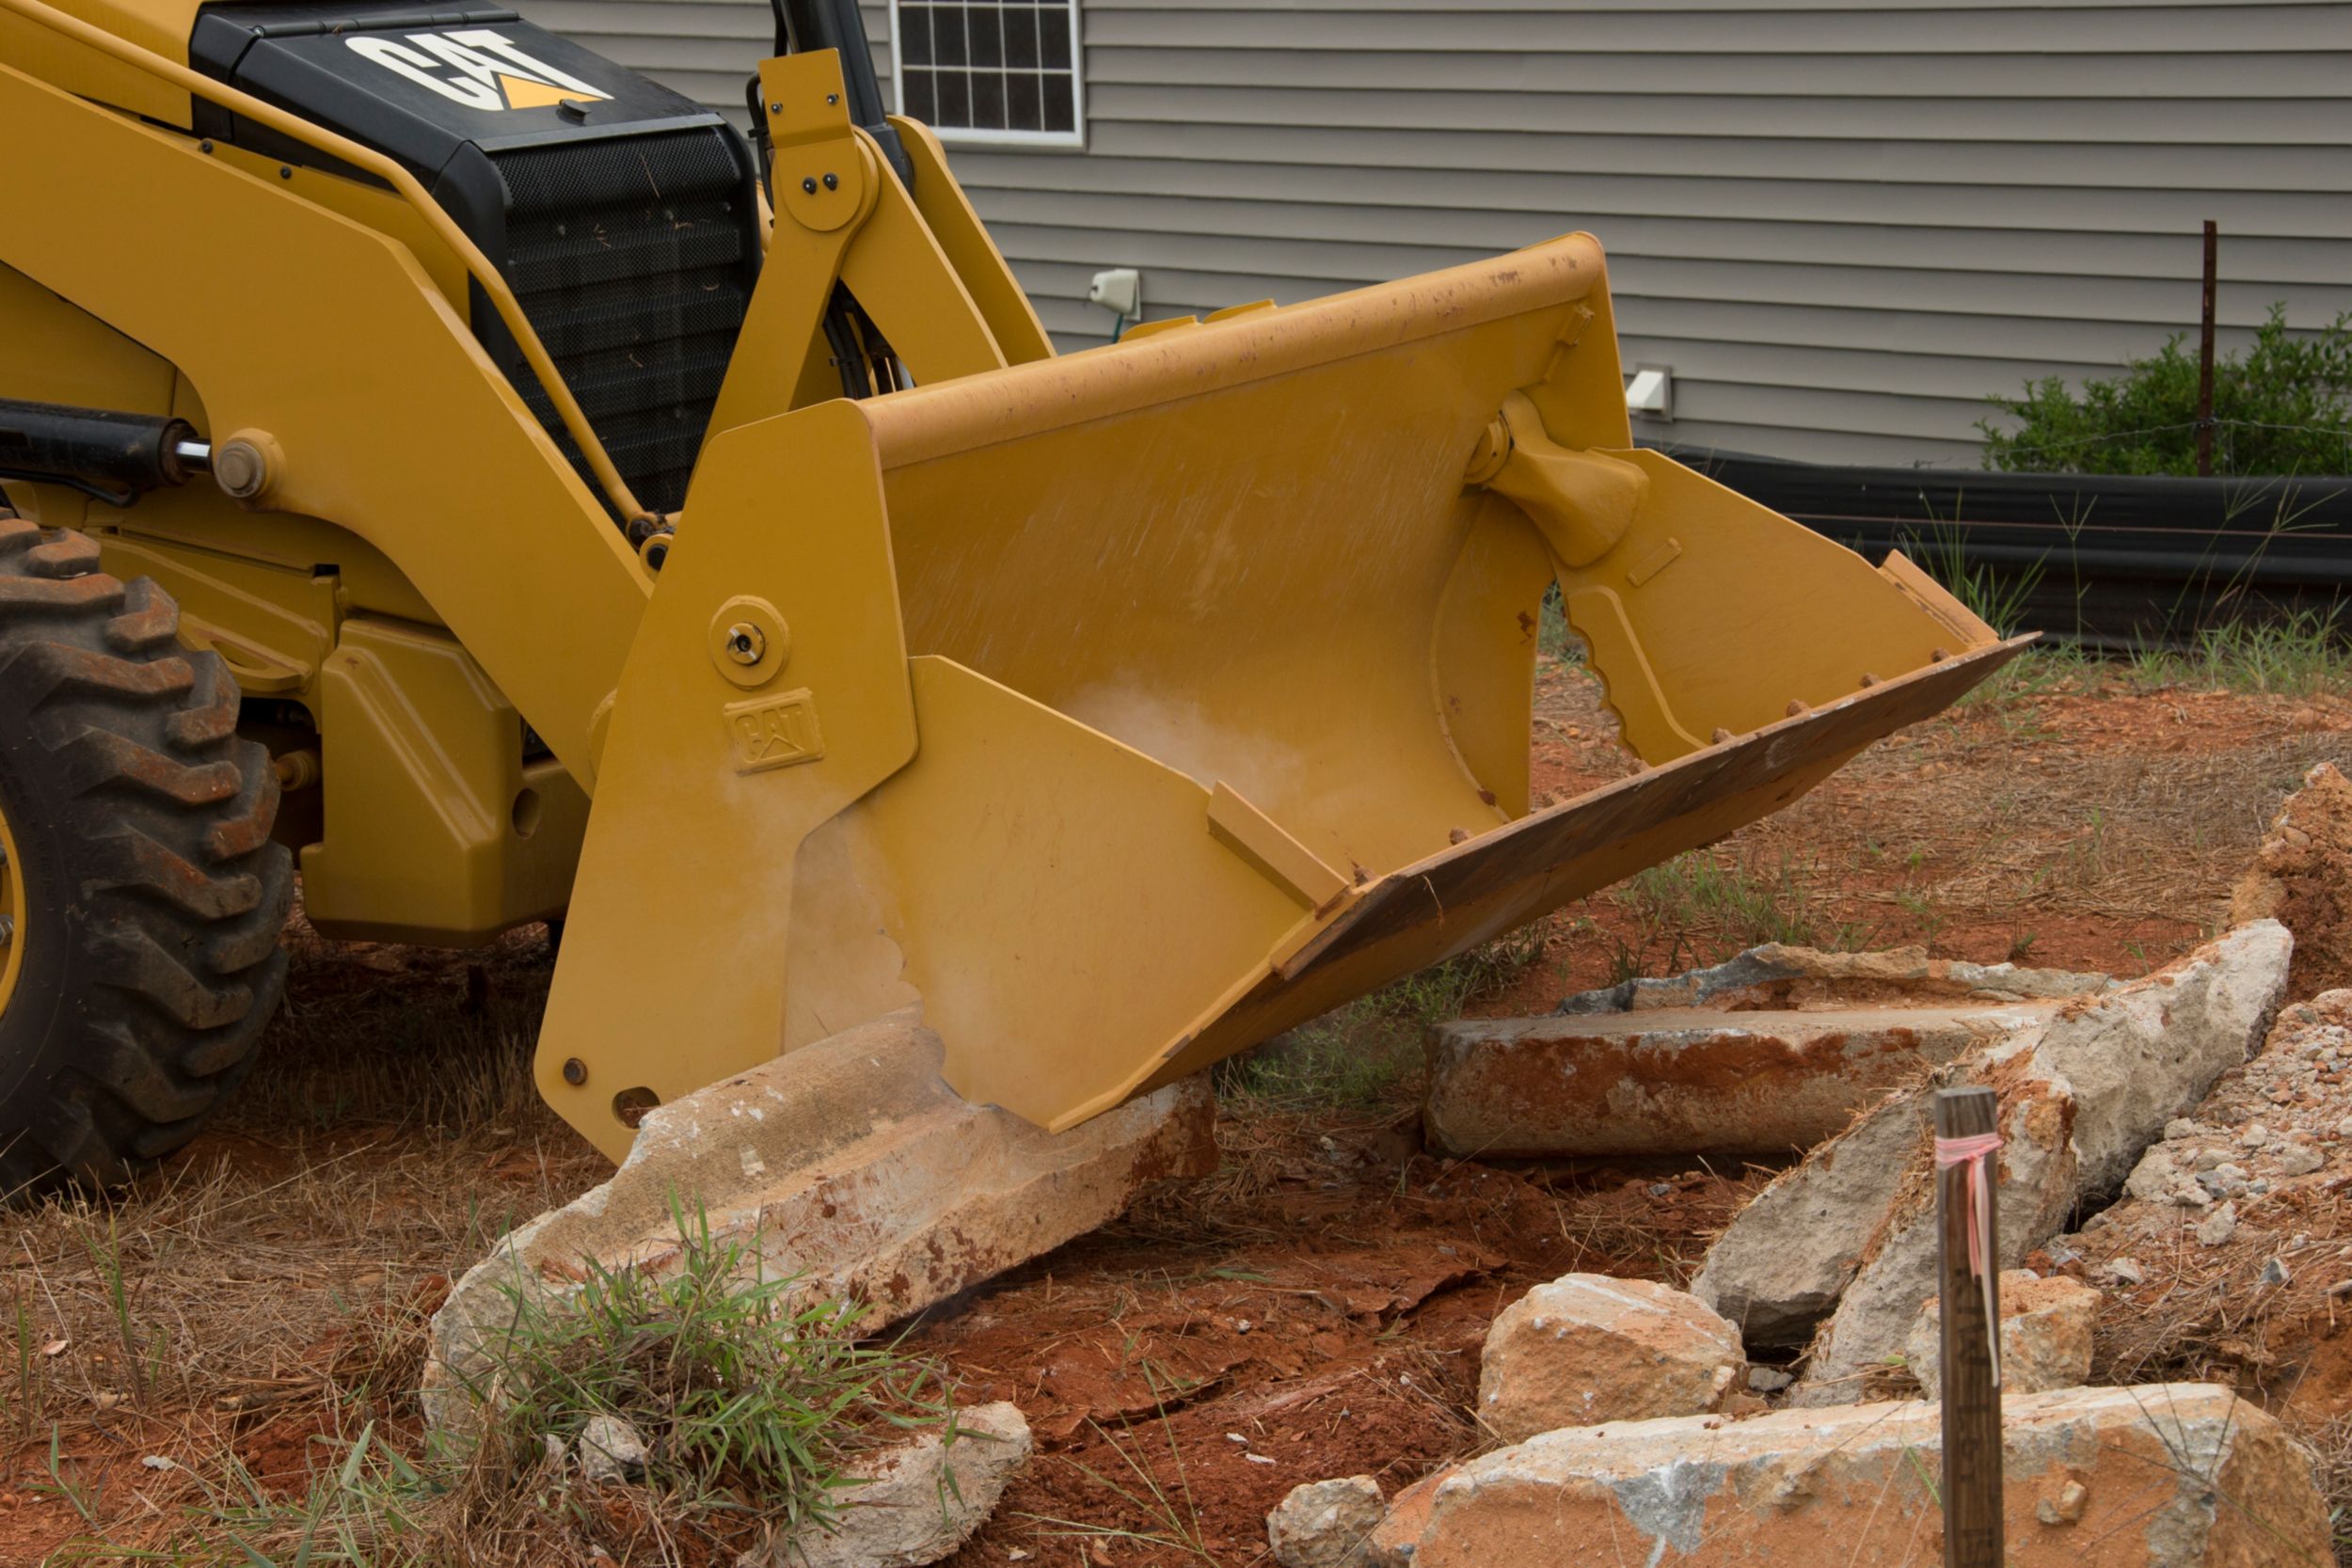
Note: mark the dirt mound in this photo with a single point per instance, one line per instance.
(2302, 875)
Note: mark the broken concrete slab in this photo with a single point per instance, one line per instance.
(1852, 1226)
(1587, 1348)
(2033, 1194)
(848, 1165)
(1684, 1081)
(2098, 1086)
(2045, 1336)
(1779, 1267)
(2143, 1052)
(1325, 1524)
(1778, 975)
(2302, 875)
(917, 1500)
(2165, 1476)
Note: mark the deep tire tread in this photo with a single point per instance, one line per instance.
(175, 896)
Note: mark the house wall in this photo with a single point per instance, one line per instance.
(1842, 224)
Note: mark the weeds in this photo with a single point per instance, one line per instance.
(2301, 654)
(1696, 910)
(107, 1260)
(1999, 598)
(1354, 1054)
(1171, 1526)
(751, 1404)
(736, 1390)
(28, 1378)
(1555, 637)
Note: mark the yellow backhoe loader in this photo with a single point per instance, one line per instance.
(450, 462)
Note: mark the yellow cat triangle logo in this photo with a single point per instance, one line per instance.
(521, 93)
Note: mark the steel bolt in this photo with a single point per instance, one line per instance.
(745, 642)
(775, 108)
(831, 97)
(833, 181)
(241, 468)
(7, 930)
(285, 172)
(808, 184)
(575, 1071)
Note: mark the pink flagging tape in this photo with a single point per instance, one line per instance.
(1974, 1152)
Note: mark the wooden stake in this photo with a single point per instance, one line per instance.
(1972, 1403)
(2204, 355)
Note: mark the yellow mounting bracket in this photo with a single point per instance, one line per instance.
(843, 217)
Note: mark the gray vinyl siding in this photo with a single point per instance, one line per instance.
(1842, 224)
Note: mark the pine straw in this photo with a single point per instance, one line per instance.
(2003, 827)
(2203, 1317)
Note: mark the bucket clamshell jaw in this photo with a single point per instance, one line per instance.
(1128, 708)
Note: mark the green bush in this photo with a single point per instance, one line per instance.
(2283, 406)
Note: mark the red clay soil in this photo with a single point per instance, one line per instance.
(1833, 841)
(1187, 1368)
(2304, 876)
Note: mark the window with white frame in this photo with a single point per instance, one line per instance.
(991, 70)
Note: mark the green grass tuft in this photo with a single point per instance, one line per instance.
(1697, 910)
(750, 1403)
(1357, 1054)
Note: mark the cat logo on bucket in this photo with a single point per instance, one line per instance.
(479, 68)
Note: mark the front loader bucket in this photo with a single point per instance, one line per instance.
(1127, 707)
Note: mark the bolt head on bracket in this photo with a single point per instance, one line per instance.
(246, 465)
(750, 643)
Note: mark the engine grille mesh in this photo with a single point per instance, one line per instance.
(629, 256)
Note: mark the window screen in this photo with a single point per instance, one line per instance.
(989, 69)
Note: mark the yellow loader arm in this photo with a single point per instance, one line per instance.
(1127, 707)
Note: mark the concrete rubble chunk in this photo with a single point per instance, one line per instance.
(610, 1450)
(1392, 1540)
(2165, 1476)
(1683, 1080)
(1325, 1524)
(2302, 875)
(2045, 1336)
(855, 1168)
(1779, 975)
(1588, 1348)
(2033, 1198)
(1779, 1267)
(917, 1500)
(1849, 1231)
(2144, 1052)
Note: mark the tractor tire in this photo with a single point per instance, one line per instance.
(144, 894)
